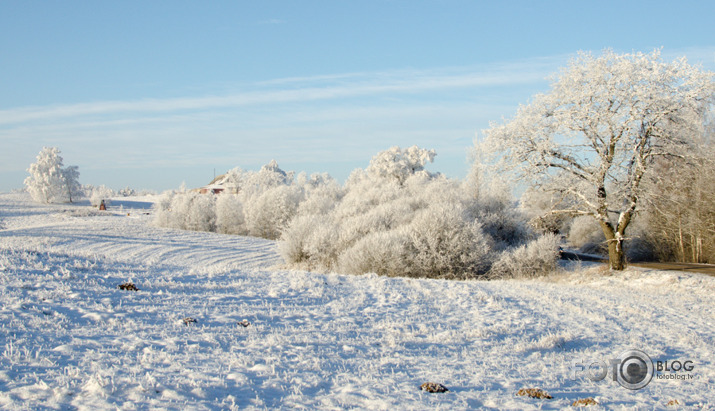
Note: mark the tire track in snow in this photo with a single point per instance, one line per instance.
(625, 315)
(124, 239)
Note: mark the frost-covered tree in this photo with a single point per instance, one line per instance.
(49, 182)
(72, 185)
(399, 164)
(127, 192)
(270, 176)
(593, 137)
(681, 210)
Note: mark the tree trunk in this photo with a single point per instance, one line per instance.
(616, 256)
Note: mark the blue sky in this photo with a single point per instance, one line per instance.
(150, 94)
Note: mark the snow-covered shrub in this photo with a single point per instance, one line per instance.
(490, 201)
(270, 175)
(266, 202)
(439, 240)
(321, 193)
(179, 209)
(381, 218)
(363, 194)
(322, 244)
(100, 193)
(504, 224)
(418, 224)
(186, 211)
(537, 258)
(268, 213)
(294, 247)
(162, 210)
(382, 252)
(201, 214)
(445, 242)
(229, 215)
(311, 242)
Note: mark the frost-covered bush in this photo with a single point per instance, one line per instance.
(265, 202)
(502, 222)
(270, 211)
(163, 217)
(445, 242)
(321, 192)
(186, 210)
(201, 212)
(404, 223)
(382, 252)
(534, 259)
(310, 241)
(229, 215)
(294, 247)
(253, 184)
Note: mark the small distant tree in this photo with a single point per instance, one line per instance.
(72, 185)
(127, 192)
(595, 135)
(49, 182)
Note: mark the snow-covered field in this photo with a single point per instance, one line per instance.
(70, 338)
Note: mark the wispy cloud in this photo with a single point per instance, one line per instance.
(272, 21)
(327, 87)
(302, 89)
